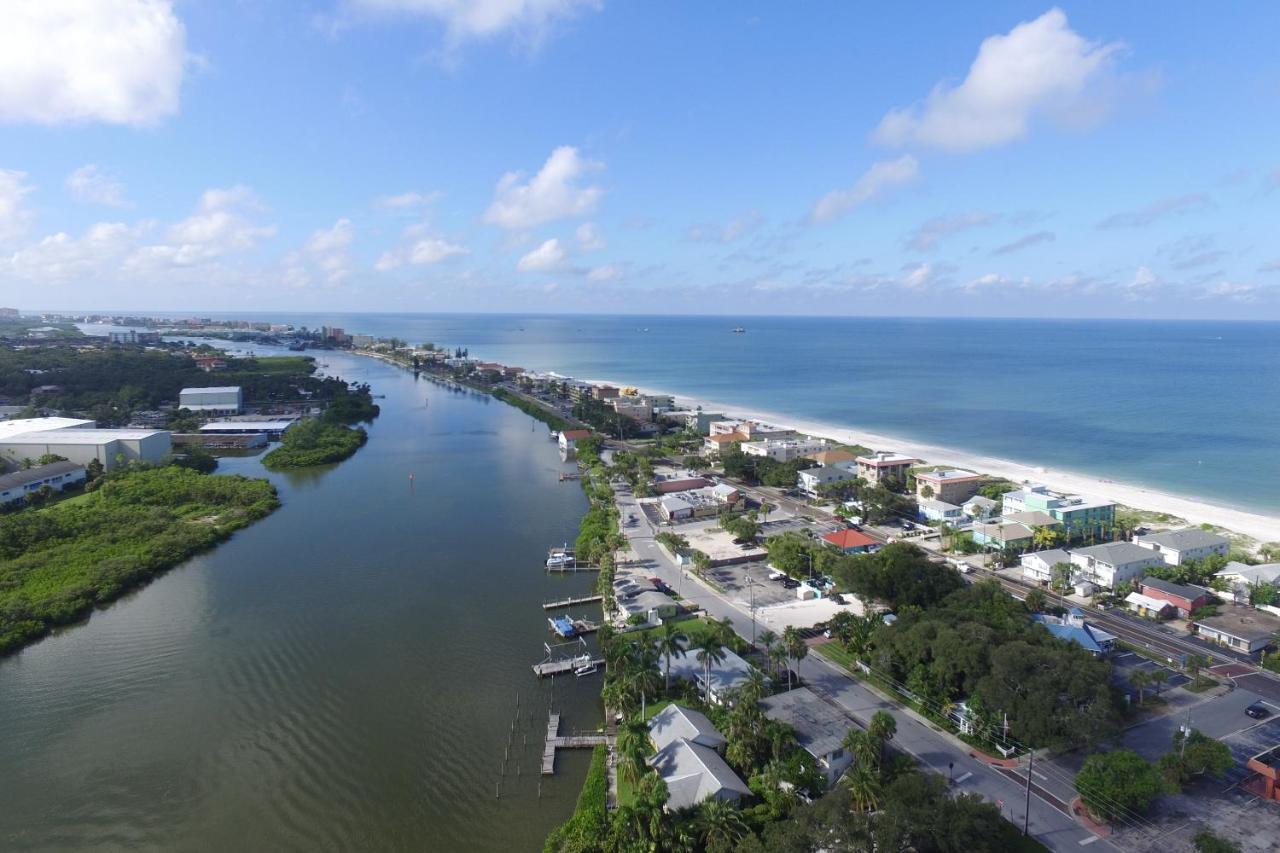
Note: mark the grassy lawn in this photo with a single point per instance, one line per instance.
(835, 652)
(695, 629)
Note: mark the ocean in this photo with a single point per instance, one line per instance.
(1191, 408)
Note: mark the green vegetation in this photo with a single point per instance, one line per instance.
(532, 409)
(590, 820)
(761, 469)
(1120, 782)
(1208, 842)
(314, 442)
(1194, 755)
(605, 419)
(56, 564)
(900, 574)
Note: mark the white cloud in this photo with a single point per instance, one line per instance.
(61, 257)
(325, 255)
(1025, 242)
(1157, 210)
(548, 257)
(1144, 286)
(468, 19)
(589, 237)
(926, 237)
(422, 249)
(90, 184)
(408, 201)
(554, 193)
(873, 184)
(607, 272)
(218, 227)
(14, 216)
(115, 61)
(731, 231)
(1039, 67)
(917, 276)
(1235, 291)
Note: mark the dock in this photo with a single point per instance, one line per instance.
(550, 668)
(571, 601)
(573, 566)
(557, 741)
(569, 627)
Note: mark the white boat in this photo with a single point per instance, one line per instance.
(586, 669)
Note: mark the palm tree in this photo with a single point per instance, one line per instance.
(797, 650)
(670, 642)
(720, 825)
(633, 749)
(882, 728)
(755, 687)
(709, 652)
(1140, 679)
(765, 639)
(651, 796)
(1158, 678)
(864, 787)
(860, 746)
(642, 673)
(724, 631)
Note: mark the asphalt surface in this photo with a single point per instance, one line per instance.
(932, 748)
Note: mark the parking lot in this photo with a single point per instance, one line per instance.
(1125, 664)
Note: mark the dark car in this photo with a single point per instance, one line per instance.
(659, 584)
(1257, 710)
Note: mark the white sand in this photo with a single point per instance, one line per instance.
(1264, 528)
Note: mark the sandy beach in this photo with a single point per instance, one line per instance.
(1263, 528)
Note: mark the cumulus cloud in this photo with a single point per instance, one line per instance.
(926, 237)
(547, 257)
(91, 184)
(62, 257)
(737, 227)
(14, 215)
(325, 256)
(421, 248)
(221, 225)
(553, 193)
(1038, 67)
(1161, 209)
(478, 19)
(874, 184)
(606, 272)
(1024, 242)
(589, 237)
(408, 201)
(114, 61)
(1235, 291)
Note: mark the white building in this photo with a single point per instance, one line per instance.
(82, 446)
(224, 399)
(784, 449)
(820, 728)
(56, 475)
(811, 479)
(935, 510)
(1038, 565)
(1176, 547)
(17, 426)
(1113, 563)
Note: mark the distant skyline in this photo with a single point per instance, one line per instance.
(581, 156)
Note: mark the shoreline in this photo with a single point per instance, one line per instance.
(1257, 526)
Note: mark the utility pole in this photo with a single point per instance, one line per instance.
(1026, 817)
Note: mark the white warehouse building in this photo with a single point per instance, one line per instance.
(225, 399)
(108, 446)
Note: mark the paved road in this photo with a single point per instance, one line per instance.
(929, 746)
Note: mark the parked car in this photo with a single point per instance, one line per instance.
(1257, 710)
(659, 584)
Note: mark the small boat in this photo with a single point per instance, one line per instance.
(586, 669)
(738, 330)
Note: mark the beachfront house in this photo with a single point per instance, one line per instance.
(820, 728)
(1038, 565)
(714, 445)
(1241, 578)
(811, 480)
(948, 484)
(753, 430)
(1003, 534)
(1113, 563)
(885, 467)
(1241, 628)
(1176, 547)
(783, 449)
(835, 457)
(1081, 517)
(850, 541)
(980, 507)
(929, 509)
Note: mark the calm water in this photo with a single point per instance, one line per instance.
(1186, 407)
(341, 676)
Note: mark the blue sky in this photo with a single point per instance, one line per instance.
(1003, 159)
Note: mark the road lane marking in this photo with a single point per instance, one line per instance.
(1089, 840)
(964, 777)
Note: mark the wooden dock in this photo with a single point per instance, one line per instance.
(556, 741)
(559, 667)
(571, 601)
(575, 566)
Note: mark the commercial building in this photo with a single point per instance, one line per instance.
(1241, 628)
(17, 426)
(753, 430)
(811, 480)
(1113, 563)
(1176, 547)
(885, 467)
(225, 399)
(82, 445)
(820, 728)
(951, 485)
(56, 475)
(132, 336)
(273, 428)
(1182, 597)
(636, 408)
(850, 541)
(361, 341)
(698, 503)
(699, 422)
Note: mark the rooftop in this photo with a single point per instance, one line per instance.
(1243, 622)
(676, 721)
(936, 505)
(575, 434)
(1116, 553)
(34, 475)
(950, 475)
(1182, 540)
(271, 425)
(18, 426)
(1265, 573)
(820, 728)
(213, 389)
(831, 457)
(884, 457)
(849, 539)
(1033, 518)
(1052, 557)
(1146, 601)
(694, 773)
(727, 437)
(83, 436)
(1191, 593)
(1093, 639)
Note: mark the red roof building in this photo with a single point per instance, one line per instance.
(850, 541)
